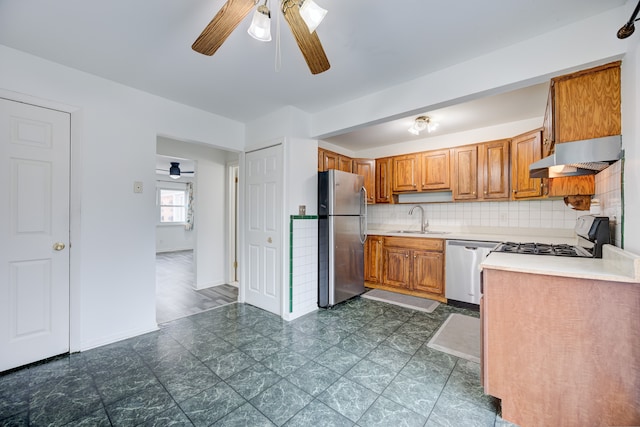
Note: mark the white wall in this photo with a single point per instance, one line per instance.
(113, 229)
(631, 143)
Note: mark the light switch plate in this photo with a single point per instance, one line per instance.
(137, 187)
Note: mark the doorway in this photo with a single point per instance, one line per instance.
(193, 251)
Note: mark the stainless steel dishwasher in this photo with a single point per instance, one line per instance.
(463, 258)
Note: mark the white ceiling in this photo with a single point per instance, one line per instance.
(371, 45)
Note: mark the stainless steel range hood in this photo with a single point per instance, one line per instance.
(586, 157)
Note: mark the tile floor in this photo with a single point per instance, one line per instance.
(363, 363)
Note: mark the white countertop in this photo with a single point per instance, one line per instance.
(485, 234)
(615, 265)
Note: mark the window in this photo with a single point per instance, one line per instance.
(173, 205)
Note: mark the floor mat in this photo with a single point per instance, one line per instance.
(459, 335)
(407, 301)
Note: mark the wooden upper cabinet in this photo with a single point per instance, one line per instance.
(383, 181)
(367, 169)
(465, 172)
(586, 104)
(320, 160)
(493, 158)
(345, 163)
(329, 160)
(436, 170)
(406, 172)
(525, 149)
(547, 127)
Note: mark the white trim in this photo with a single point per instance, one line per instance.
(233, 171)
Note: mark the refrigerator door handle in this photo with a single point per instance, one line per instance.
(363, 215)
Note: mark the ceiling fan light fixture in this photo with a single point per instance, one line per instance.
(174, 170)
(260, 28)
(312, 14)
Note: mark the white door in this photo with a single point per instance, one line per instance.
(262, 219)
(34, 231)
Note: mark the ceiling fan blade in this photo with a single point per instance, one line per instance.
(222, 25)
(309, 43)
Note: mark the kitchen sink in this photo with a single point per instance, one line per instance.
(418, 232)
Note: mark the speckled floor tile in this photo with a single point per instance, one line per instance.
(377, 371)
(337, 360)
(281, 401)
(371, 375)
(414, 395)
(318, 414)
(284, 362)
(313, 378)
(140, 407)
(244, 416)
(348, 398)
(212, 404)
(389, 357)
(451, 412)
(253, 380)
(384, 413)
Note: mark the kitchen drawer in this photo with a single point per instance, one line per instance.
(420, 243)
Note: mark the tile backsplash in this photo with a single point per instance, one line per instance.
(609, 193)
(539, 214)
(522, 214)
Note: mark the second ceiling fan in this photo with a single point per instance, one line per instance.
(234, 11)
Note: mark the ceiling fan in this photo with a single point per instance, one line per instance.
(174, 170)
(298, 14)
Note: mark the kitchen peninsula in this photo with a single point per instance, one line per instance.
(572, 338)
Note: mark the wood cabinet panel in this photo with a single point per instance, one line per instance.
(525, 149)
(373, 259)
(494, 161)
(345, 164)
(367, 169)
(414, 266)
(465, 167)
(396, 267)
(406, 172)
(427, 273)
(587, 104)
(383, 180)
(435, 170)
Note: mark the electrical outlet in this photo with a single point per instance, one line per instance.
(137, 187)
(504, 217)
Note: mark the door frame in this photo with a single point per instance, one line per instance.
(75, 166)
(233, 196)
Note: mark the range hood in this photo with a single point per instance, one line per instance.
(586, 157)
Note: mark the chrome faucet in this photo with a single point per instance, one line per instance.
(424, 223)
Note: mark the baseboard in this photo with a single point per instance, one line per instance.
(110, 339)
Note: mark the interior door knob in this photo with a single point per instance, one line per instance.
(270, 240)
(58, 246)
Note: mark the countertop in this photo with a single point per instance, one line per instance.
(485, 234)
(616, 265)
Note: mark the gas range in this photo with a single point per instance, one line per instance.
(592, 231)
(543, 249)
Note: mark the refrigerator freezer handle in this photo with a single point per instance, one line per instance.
(363, 215)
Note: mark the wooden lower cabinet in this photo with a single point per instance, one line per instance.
(373, 259)
(557, 352)
(409, 265)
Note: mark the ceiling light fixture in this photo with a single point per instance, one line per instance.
(421, 123)
(174, 170)
(312, 14)
(260, 28)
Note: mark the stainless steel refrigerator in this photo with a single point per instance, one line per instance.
(342, 231)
